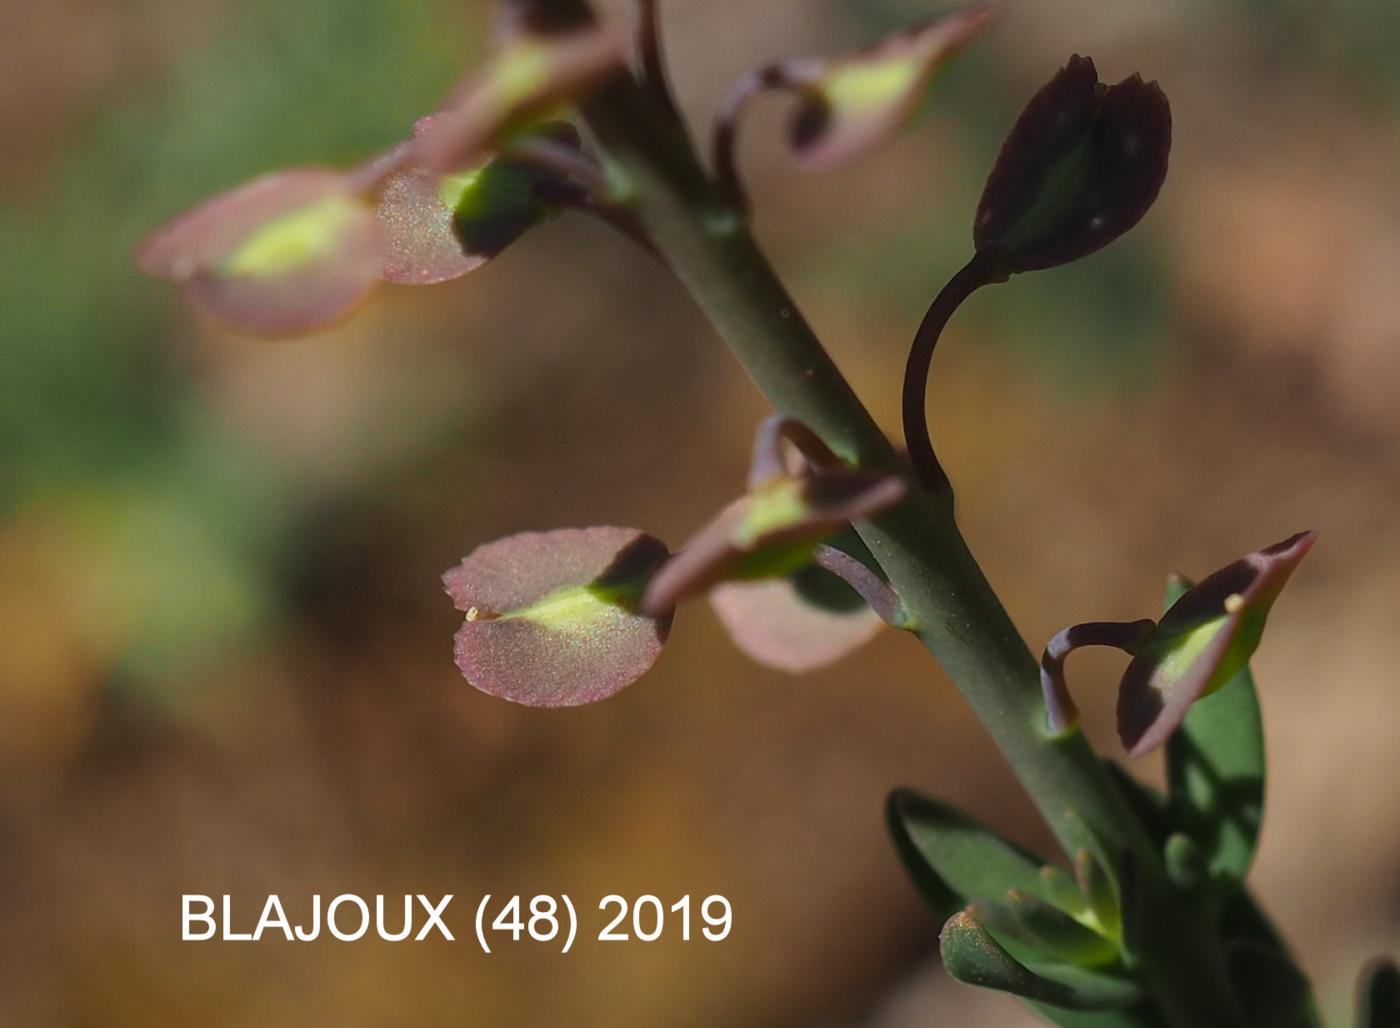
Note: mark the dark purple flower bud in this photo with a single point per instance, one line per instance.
(1080, 167)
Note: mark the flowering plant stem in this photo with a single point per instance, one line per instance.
(951, 607)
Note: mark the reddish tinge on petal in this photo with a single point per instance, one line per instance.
(1204, 640)
(420, 247)
(552, 617)
(778, 627)
(286, 253)
(851, 106)
(525, 80)
(440, 226)
(771, 531)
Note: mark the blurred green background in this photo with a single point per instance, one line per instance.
(225, 660)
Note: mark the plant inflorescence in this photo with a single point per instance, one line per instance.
(837, 533)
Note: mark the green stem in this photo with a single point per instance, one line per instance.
(918, 543)
(955, 612)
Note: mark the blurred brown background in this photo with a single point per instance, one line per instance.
(225, 661)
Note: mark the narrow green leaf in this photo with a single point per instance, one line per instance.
(996, 917)
(1091, 988)
(1215, 772)
(1141, 1015)
(953, 859)
(1097, 875)
(1132, 922)
(1097, 884)
(972, 956)
(1060, 889)
(1378, 995)
(1059, 934)
(1042, 936)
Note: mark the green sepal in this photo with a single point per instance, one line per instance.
(971, 955)
(952, 858)
(1271, 991)
(1215, 772)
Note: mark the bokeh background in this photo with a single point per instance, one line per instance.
(225, 660)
